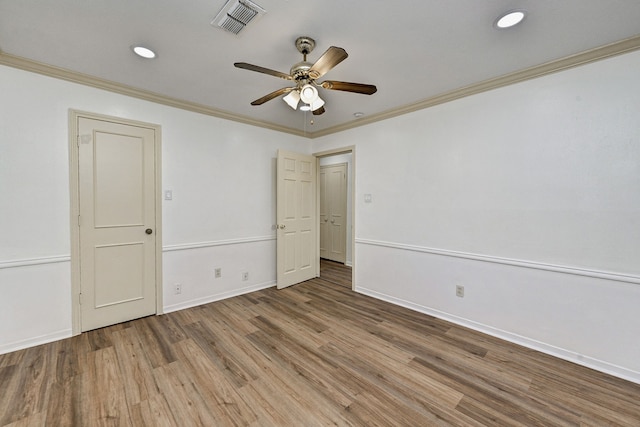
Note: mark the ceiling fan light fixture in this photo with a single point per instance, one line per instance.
(292, 99)
(305, 107)
(308, 94)
(318, 103)
(510, 19)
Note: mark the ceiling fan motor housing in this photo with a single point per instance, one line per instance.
(305, 44)
(300, 71)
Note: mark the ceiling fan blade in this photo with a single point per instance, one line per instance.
(262, 70)
(319, 111)
(350, 87)
(332, 57)
(272, 95)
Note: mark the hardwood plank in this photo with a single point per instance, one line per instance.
(214, 350)
(151, 335)
(103, 390)
(26, 391)
(154, 411)
(217, 391)
(186, 404)
(134, 367)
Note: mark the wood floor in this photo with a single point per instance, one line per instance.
(314, 354)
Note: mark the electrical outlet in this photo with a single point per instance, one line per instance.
(178, 288)
(245, 276)
(460, 291)
(218, 273)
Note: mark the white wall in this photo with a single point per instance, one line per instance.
(222, 175)
(528, 196)
(334, 160)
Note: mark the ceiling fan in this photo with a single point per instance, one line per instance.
(304, 75)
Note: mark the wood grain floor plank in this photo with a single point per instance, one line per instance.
(311, 366)
(63, 408)
(104, 389)
(517, 407)
(234, 314)
(154, 411)
(27, 388)
(135, 370)
(151, 336)
(213, 386)
(185, 402)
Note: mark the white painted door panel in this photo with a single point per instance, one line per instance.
(333, 212)
(117, 207)
(296, 218)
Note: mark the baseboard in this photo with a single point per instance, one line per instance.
(32, 342)
(598, 365)
(217, 297)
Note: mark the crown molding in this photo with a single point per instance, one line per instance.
(96, 82)
(603, 52)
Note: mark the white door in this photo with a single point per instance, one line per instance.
(117, 202)
(333, 212)
(296, 218)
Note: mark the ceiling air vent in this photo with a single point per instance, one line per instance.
(236, 14)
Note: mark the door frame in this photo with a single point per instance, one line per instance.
(342, 150)
(74, 192)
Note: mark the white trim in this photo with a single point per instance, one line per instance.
(27, 262)
(74, 182)
(598, 274)
(596, 54)
(217, 297)
(32, 342)
(332, 152)
(561, 353)
(198, 245)
(34, 261)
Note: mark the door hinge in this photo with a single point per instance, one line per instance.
(78, 220)
(80, 298)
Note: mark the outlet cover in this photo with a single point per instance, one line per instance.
(245, 276)
(218, 273)
(178, 288)
(460, 291)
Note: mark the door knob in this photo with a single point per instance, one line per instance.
(148, 231)
(332, 221)
(281, 226)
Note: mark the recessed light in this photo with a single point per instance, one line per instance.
(144, 52)
(510, 19)
(358, 115)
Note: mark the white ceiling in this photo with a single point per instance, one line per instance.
(412, 50)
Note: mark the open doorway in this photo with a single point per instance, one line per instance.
(336, 215)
